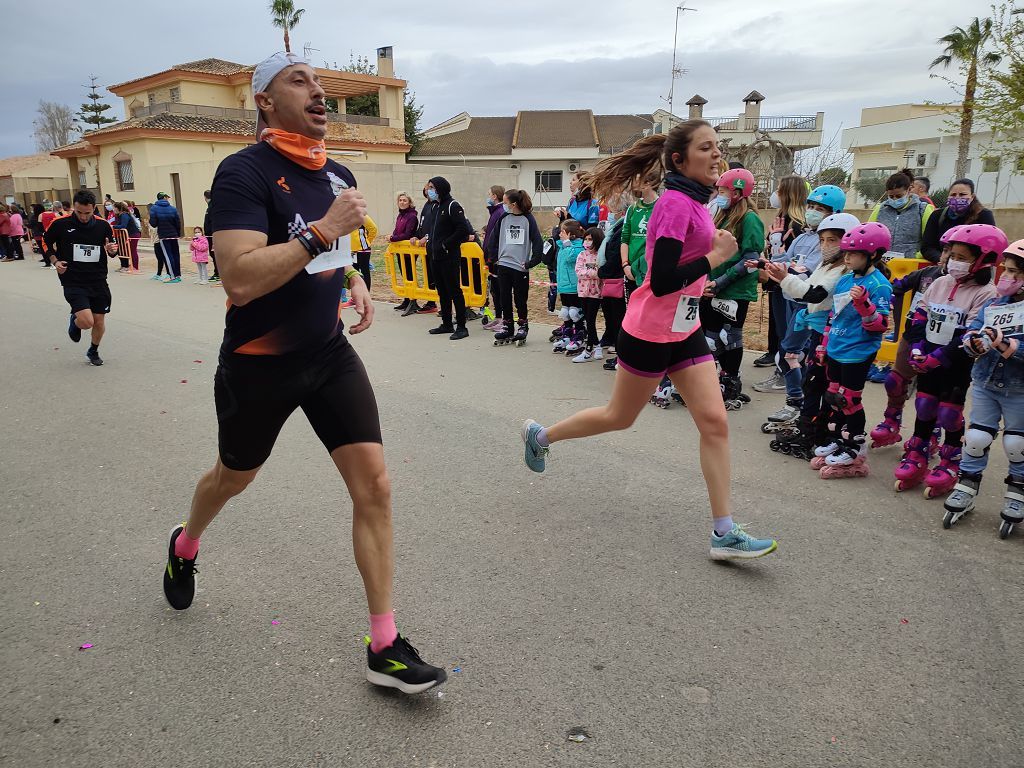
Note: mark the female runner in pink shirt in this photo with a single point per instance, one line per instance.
(661, 332)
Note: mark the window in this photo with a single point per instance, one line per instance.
(990, 165)
(175, 95)
(81, 180)
(151, 98)
(548, 181)
(125, 178)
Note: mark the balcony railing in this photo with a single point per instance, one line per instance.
(767, 124)
(232, 113)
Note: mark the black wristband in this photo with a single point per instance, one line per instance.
(310, 242)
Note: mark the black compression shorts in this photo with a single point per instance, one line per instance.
(95, 297)
(255, 395)
(655, 359)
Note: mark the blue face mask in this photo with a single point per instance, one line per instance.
(490, 203)
(432, 194)
(814, 218)
(898, 202)
(719, 202)
(505, 207)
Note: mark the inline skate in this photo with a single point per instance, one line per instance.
(504, 336)
(782, 420)
(961, 500)
(522, 330)
(1013, 506)
(888, 430)
(943, 475)
(850, 460)
(913, 467)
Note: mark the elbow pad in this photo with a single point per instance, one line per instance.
(865, 308)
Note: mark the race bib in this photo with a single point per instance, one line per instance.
(890, 255)
(775, 240)
(687, 314)
(726, 307)
(515, 235)
(88, 253)
(840, 302)
(339, 256)
(942, 324)
(918, 298)
(1008, 318)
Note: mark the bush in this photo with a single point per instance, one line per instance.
(872, 190)
(939, 197)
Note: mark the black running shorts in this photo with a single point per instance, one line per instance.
(95, 297)
(655, 359)
(255, 395)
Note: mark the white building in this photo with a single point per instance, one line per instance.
(925, 138)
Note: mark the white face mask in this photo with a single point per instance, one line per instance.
(774, 200)
(958, 269)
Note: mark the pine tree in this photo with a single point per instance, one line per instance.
(91, 113)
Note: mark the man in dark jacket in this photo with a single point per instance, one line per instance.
(448, 231)
(164, 217)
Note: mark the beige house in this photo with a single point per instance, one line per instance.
(183, 121)
(31, 179)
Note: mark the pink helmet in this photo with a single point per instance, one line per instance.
(737, 178)
(948, 234)
(871, 237)
(1015, 249)
(990, 239)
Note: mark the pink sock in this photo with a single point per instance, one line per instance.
(185, 546)
(383, 631)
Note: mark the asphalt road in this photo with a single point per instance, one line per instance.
(583, 598)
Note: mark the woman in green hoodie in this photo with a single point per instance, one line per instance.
(728, 294)
(634, 232)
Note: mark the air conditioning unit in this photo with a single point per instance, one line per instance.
(573, 167)
(927, 159)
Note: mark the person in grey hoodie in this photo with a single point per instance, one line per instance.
(516, 246)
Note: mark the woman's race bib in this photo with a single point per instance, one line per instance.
(726, 307)
(1008, 318)
(88, 253)
(687, 314)
(943, 321)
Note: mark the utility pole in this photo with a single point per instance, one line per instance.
(676, 71)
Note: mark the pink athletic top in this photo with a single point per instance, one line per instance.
(673, 317)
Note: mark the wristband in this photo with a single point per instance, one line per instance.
(309, 241)
(323, 241)
(348, 277)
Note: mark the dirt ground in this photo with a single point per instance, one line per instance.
(755, 330)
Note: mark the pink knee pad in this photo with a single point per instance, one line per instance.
(950, 417)
(853, 401)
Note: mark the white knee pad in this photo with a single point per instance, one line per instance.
(575, 314)
(1013, 444)
(977, 442)
(563, 314)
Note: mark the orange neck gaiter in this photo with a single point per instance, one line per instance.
(303, 150)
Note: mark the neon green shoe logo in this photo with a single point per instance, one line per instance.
(396, 666)
(170, 572)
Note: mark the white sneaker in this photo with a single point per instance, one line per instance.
(597, 353)
(204, 282)
(583, 357)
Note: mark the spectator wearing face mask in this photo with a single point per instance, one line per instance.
(962, 207)
(904, 214)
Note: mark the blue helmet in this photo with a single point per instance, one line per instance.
(829, 195)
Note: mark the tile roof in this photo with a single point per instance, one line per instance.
(213, 67)
(9, 165)
(535, 129)
(555, 128)
(485, 136)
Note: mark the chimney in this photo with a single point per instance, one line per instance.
(386, 62)
(696, 105)
(752, 110)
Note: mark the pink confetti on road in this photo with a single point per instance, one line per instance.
(275, 622)
(197, 361)
(904, 621)
(85, 646)
(184, 381)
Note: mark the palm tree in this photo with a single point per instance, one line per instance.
(285, 16)
(965, 47)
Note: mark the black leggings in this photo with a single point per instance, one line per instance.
(943, 385)
(494, 289)
(714, 322)
(590, 308)
(614, 311)
(513, 286)
(449, 291)
(849, 376)
(15, 251)
(363, 265)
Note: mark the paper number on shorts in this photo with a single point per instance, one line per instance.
(687, 314)
(1008, 318)
(89, 253)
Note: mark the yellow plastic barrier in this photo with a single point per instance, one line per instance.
(408, 272)
(898, 268)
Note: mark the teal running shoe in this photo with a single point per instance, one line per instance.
(737, 544)
(535, 452)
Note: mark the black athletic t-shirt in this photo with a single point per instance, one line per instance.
(259, 189)
(81, 246)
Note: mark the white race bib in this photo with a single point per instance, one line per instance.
(339, 256)
(88, 253)
(942, 324)
(727, 307)
(515, 235)
(687, 314)
(890, 255)
(840, 302)
(1008, 318)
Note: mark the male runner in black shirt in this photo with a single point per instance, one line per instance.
(78, 244)
(281, 216)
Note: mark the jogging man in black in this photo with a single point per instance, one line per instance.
(281, 215)
(79, 246)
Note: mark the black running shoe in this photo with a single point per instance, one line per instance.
(460, 333)
(441, 329)
(610, 363)
(73, 330)
(765, 361)
(400, 666)
(179, 576)
(93, 356)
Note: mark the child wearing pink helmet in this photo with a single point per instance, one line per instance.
(943, 369)
(853, 336)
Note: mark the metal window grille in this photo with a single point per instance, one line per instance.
(125, 178)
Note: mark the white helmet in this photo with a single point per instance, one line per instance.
(841, 221)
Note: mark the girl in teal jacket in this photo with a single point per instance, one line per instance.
(569, 245)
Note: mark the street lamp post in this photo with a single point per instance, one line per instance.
(680, 9)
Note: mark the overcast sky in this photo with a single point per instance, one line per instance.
(835, 56)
